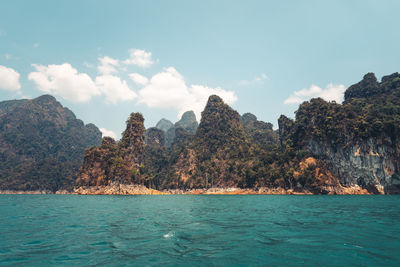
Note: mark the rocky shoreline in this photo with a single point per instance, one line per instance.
(130, 189)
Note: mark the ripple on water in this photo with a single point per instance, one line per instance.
(199, 230)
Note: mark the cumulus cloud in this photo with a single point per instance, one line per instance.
(139, 58)
(330, 93)
(108, 133)
(114, 88)
(138, 79)
(9, 79)
(168, 89)
(65, 81)
(108, 65)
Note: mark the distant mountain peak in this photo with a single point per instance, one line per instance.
(164, 124)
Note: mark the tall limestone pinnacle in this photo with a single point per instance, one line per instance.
(132, 140)
(116, 162)
(329, 148)
(220, 126)
(216, 154)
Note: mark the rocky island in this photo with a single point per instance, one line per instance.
(329, 148)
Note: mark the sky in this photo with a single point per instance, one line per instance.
(106, 59)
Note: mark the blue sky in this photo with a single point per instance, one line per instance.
(106, 59)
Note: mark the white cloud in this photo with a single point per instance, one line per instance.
(114, 89)
(257, 79)
(138, 79)
(65, 81)
(9, 79)
(139, 58)
(108, 65)
(168, 89)
(109, 133)
(330, 93)
(36, 45)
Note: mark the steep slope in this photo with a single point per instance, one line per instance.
(219, 150)
(359, 140)
(120, 162)
(41, 144)
(155, 158)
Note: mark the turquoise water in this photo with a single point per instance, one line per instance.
(199, 230)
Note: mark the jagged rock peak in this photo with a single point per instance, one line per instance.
(214, 100)
(164, 125)
(188, 116)
(219, 121)
(188, 122)
(133, 136)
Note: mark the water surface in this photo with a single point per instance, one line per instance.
(199, 230)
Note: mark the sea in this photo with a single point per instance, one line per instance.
(199, 230)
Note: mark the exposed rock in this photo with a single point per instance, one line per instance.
(115, 188)
(359, 140)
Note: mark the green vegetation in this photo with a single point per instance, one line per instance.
(225, 150)
(41, 144)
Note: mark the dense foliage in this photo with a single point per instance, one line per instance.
(370, 109)
(111, 161)
(224, 150)
(41, 144)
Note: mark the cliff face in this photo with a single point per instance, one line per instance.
(330, 148)
(120, 162)
(372, 164)
(359, 140)
(41, 144)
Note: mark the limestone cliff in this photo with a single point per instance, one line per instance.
(359, 140)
